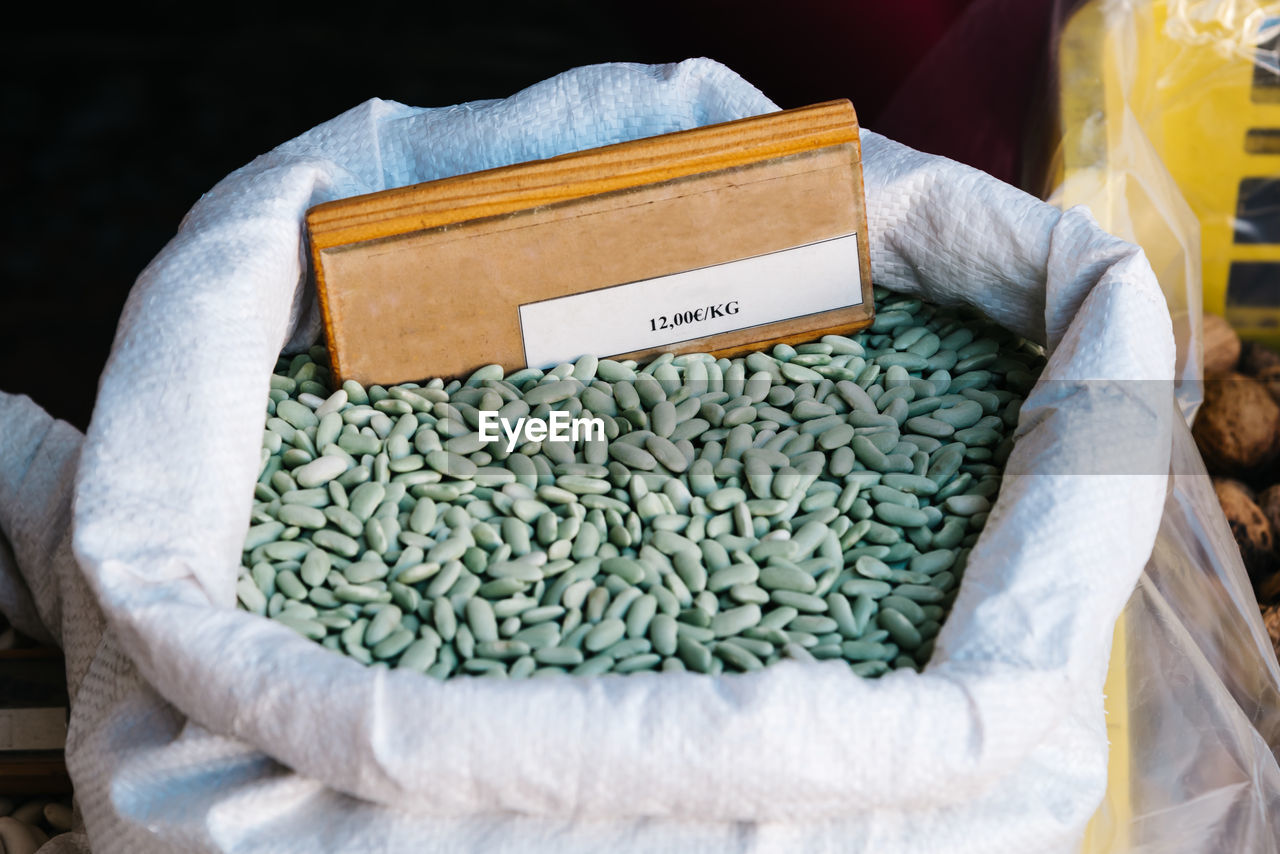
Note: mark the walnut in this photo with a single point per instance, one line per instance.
(1221, 345)
(1255, 358)
(1250, 527)
(1238, 427)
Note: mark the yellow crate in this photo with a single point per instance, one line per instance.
(1145, 90)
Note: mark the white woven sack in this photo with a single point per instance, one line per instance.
(998, 745)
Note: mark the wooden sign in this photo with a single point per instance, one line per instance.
(723, 238)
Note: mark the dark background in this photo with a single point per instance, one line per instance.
(112, 129)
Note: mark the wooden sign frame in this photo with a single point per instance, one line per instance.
(430, 280)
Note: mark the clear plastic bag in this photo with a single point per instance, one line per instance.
(1202, 692)
(1156, 100)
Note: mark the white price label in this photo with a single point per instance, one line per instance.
(763, 289)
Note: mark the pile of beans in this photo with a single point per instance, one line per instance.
(811, 501)
(25, 827)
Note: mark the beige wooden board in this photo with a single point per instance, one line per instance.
(428, 280)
